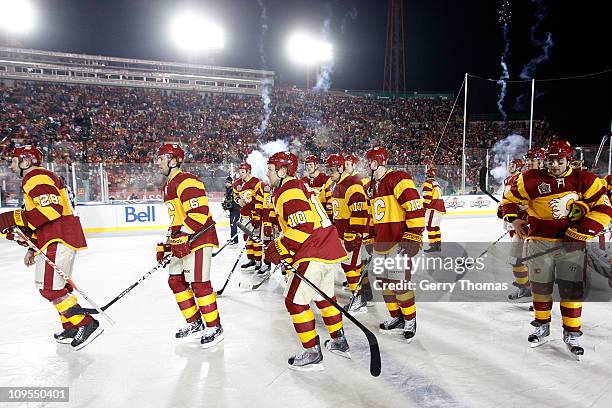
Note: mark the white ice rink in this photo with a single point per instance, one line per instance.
(464, 354)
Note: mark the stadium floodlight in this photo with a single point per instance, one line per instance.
(309, 50)
(16, 17)
(193, 32)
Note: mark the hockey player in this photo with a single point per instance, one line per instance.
(189, 280)
(399, 221)
(350, 217)
(564, 204)
(319, 182)
(519, 270)
(48, 219)
(434, 210)
(248, 192)
(267, 222)
(534, 158)
(311, 245)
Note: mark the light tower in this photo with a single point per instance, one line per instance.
(395, 67)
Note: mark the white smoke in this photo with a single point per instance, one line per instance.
(324, 74)
(512, 147)
(258, 159)
(267, 83)
(545, 46)
(505, 73)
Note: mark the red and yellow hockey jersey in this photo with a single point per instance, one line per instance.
(250, 191)
(432, 196)
(49, 212)
(522, 208)
(268, 216)
(397, 208)
(307, 233)
(187, 204)
(608, 181)
(321, 183)
(550, 200)
(349, 207)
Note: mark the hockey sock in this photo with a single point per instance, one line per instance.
(571, 312)
(521, 274)
(406, 304)
(303, 322)
(331, 317)
(391, 303)
(207, 302)
(184, 298)
(542, 301)
(434, 234)
(63, 300)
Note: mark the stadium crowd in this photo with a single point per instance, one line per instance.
(217, 129)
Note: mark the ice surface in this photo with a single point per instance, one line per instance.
(464, 354)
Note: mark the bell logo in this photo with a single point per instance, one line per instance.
(131, 215)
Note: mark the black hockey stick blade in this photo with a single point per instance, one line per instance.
(375, 363)
(162, 264)
(482, 176)
(220, 291)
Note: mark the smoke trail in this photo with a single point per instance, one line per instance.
(545, 45)
(324, 75)
(258, 159)
(512, 147)
(505, 74)
(267, 85)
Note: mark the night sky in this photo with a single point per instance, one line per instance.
(443, 40)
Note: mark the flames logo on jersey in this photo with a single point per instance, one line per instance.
(561, 206)
(247, 196)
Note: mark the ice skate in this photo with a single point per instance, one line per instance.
(394, 325)
(249, 265)
(192, 329)
(522, 294)
(359, 305)
(86, 334)
(409, 329)
(310, 359)
(338, 345)
(66, 336)
(212, 336)
(571, 341)
(540, 334)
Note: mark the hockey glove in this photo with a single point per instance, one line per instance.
(179, 245)
(16, 218)
(161, 251)
(500, 213)
(410, 245)
(12, 236)
(574, 240)
(275, 252)
(577, 210)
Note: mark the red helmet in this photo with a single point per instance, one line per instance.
(30, 152)
(352, 158)
(431, 172)
(245, 166)
(380, 154)
(286, 159)
(536, 153)
(311, 158)
(335, 160)
(519, 163)
(559, 149)
(172, 150)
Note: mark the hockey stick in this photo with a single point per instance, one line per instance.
(227, 243)
(254, 286)
(374, 349)
(601, 145)
(61, 273)
(553, 249)
(482, 176)
(161, 265)
(220, 291)
(493, 244)
(364, 273)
